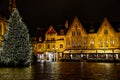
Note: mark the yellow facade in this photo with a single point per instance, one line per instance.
(77, 39)
(3, 26)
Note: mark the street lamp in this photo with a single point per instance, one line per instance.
(54, 53)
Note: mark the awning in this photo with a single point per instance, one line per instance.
(89, 51)
(108, 51)
(40, 52)
(72, 51)
(100, 51)
(117, 51)
(66, 51)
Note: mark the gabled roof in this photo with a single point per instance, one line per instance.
(51, 30)
(106, 25)
(87, 27)
(58, 29)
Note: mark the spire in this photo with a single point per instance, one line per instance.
(66, 24)
(12, 5)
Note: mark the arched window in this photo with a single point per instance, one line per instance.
(111, 41)
(100, 42)
(105, 32)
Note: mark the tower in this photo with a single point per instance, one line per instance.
(12, 5)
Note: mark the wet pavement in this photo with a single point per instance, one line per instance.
(63, 71)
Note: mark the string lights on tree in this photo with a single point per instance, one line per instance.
(16, 45)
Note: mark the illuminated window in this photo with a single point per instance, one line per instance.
(100, 43)
(106, 42)
(111, 41)
(85, 41)
(73, 33)
(91, 29)
(73, 42)
(79, 41)
(92, 42)
(119, 28)
(40, 39)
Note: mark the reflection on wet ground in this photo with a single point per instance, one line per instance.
(63, 71)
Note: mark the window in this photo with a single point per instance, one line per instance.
(111, 41)
(91, 29)
(48, 46)
(119, 28)
(39, 46)
(68, 41)
(62, 31)
(73, 33)
(106, 42)
(61, 45)
(85, 41)
(53, 46)
(53, 39)
(92, 42)
(40, 39)
(100, 43)
(78, 33)
(79, 41)
(73, 42)
(105, 32)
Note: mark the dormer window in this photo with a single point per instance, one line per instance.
(91, 29)
(119, 28)
(40, 39)
(61, 31)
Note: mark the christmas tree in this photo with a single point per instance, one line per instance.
(16, 44)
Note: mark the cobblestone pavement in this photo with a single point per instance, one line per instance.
(63, 71)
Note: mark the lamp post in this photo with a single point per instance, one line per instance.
(54, 53)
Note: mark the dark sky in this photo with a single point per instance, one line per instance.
(47, 12)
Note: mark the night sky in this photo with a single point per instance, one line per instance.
(49, 12)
